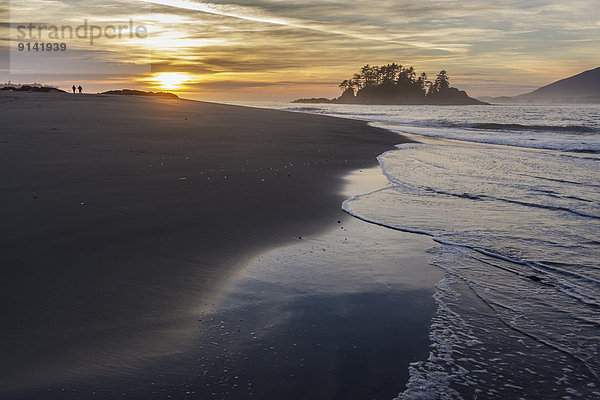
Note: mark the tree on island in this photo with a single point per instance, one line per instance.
(423, 82)
(441, 83)
(404, 78)
(397, 84)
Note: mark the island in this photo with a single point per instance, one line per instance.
(393, 84)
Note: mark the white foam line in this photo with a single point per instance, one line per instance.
(404, 129)
(571, 290)
(545, 342)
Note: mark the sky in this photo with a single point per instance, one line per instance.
(282, 50)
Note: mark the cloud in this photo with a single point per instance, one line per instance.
(256, 14)
(481, 43)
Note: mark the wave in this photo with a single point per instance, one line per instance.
(588, 151)
(543, 273)
(570, 134)
(462, 132)
(311, 110)
(400, 184)
(336, 113)
(568, 129)
(537, 267)
(521, 203)
(505, 127)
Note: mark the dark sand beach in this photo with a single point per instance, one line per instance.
(125, 219)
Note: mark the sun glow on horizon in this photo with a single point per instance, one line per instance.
(170, 80)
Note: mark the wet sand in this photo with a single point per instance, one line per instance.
(125, 219)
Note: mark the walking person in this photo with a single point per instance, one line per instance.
(73, 88)
(80, 88)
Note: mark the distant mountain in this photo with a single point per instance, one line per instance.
(580, 88)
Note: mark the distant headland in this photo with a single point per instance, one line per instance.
(39, 88)
(132, 92)
(395, 84)
(33, 87)
(583, 88)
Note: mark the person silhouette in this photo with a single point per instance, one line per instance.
(80, 88)
(73, 88)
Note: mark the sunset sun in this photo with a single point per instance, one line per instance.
(170, 80)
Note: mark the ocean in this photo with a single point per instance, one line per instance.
(511, 193)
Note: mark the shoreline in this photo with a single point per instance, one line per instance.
(341, 313)
(112, 211)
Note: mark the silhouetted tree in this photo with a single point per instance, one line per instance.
(358, 81)
(422, 81)
(411, 74)
(389, 73)
(370, 75)
(395, 81)
(346, 84)
(441, 83)
(425, 83)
